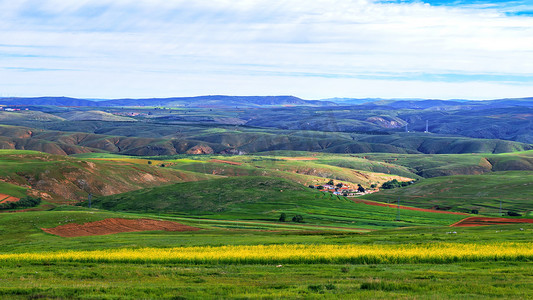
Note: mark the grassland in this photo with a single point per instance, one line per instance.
(514, 189)
(264, 198)
(58, 178)
(12, 190)
(298, 276)
(342, 250)
(457, 164)
(490, 280)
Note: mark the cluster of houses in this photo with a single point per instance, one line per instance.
(12, 109)
(342, 189)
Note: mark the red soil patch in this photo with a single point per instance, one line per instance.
(408, 207)
(226, 162)
(7, 198)
(300, 158)
(480, 221)
(116, 225)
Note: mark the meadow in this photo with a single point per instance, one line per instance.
(343, 248)
(251, 262)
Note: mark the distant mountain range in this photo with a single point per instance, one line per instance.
(200, 101)
(259, 101)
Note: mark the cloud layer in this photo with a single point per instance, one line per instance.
(312, 49)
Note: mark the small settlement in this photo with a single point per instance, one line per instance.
(342, 189)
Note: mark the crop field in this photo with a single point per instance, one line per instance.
(249, 263)
(294, 254)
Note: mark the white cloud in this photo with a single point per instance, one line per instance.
(307, 48)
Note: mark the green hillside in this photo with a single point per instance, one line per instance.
(12, 190)
(468, 192)
(435, 165)
(303, 172)
(59, 178)
(154, 136)
(263, 198)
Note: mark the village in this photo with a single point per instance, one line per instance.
(341, 189)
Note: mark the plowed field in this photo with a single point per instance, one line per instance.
(116, 225)
(7, 198)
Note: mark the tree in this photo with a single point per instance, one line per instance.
(283, 217)
(339, 185)
(298, 219)
(149, 162)
(361, 189)
(373, 186)
(391, 184)
(331, 182)
(513, 214)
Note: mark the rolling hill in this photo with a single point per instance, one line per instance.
(262, 199)
(59, 178)
(168, 140)
(467, 192)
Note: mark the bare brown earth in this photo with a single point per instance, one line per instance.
(482, 221)
(116, 225)
(407, 207)
(4, 199)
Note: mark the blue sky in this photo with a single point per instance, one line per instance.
(311, 49)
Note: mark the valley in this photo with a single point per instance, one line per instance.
(288, 197)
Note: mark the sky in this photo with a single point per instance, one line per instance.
(316, 49)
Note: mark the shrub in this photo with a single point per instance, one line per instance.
(22, 203)
(283, 217)
(395, 184)
(298, 219)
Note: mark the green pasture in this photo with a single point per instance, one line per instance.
(264, 198)
(514, 189)
(489, 280)
(12, 190)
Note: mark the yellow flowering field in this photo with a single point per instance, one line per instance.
(265, 254)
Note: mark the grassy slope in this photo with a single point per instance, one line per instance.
(456, 164)
(467, 192)
(63, 177)
(12, 190)
(263, 198)
(341, 168)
